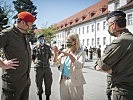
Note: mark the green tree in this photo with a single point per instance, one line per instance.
(26, 5)
(9, 10)
(49, 33)
(3, 18)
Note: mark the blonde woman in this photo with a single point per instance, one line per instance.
(71, 62)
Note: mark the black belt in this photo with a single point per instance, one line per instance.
(64, 77)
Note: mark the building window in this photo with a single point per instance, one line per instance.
(92, 27)
(104, 25)
(130, 19)
(63, 35)
(92, 43)
(60, 35)
(87, 42)
(87, 29)
(117, 4)
(57, 36)
(98, 26)
(98, 41)
(79, 30)
(104, 41)
(76, 31)
(83, 42)
(83, 30)
(72, 30)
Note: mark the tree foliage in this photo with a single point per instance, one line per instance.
(3, 18)
(49, 33)
(9, 10)
(26, 5)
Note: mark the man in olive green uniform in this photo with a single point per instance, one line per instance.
(118, 57)
(41, 56)
(14, 41)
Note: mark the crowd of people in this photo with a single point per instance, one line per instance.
(92, 51)
(116, 61)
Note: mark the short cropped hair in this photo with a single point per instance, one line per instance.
(120, 21)
(118, 17)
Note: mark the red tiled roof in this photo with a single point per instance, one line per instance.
(110, 1)
(96, 10)
(38, 31)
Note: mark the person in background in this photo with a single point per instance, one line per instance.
(86, 51)
(117, 59)
(71, 62)
(15, 44)
(41, 56)
(98, 52)
(91, 53)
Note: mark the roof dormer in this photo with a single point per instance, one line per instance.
(103, 9)
(70, 22)
(76, 20)
(92, 13)
(66, 24)
(83, 17)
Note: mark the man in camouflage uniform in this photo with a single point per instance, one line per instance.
(41, 56)
(117, 59)
(15, 44)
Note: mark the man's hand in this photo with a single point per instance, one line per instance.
(9, 64)
(98, 68)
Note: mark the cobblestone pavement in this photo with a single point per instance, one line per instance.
(94, 89)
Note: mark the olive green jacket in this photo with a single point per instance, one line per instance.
(118, 56)
(16, 45)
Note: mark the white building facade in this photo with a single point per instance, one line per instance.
(93, 30)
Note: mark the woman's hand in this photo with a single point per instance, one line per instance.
(55, 49)
(65, 53)
(70, 55)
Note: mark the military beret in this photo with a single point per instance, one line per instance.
(116, 13)
(40, 35)
(26, 16)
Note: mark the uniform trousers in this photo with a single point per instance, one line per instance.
(70, 92)
(18, 90)
(122, 94)
(43, 75)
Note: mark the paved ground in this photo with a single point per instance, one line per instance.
(94, 89)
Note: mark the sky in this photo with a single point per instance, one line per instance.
(53, 11)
